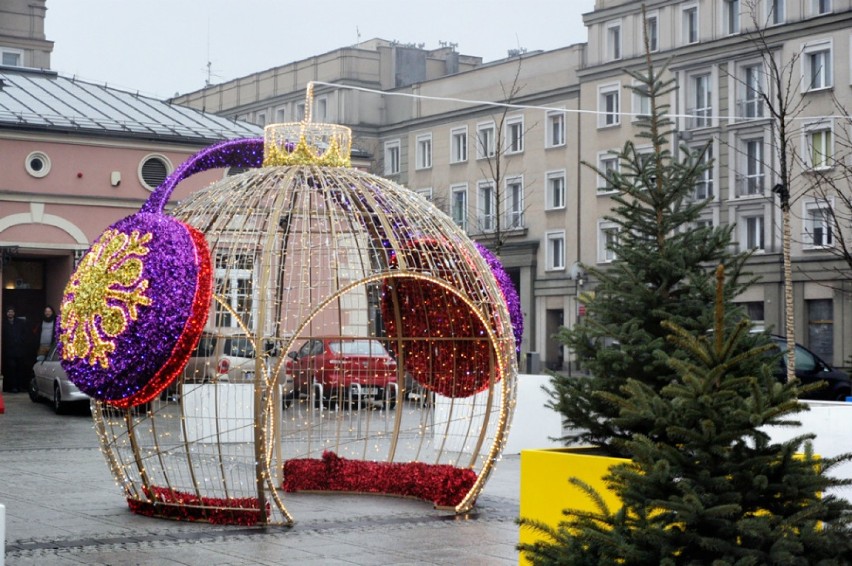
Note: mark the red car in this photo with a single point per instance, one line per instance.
(341, 364)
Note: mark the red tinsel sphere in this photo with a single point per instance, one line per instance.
(445, 345)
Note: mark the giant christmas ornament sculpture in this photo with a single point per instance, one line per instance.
(356, 340)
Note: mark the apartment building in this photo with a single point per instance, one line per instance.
(501, 171)
(517, 176)
(365, 70)
(725, 55)
(22, 39)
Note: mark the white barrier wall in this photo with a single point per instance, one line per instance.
(534, 425)
(223, 412)
(830, 422)
(2, 534)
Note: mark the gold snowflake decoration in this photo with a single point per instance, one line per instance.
(104, 292)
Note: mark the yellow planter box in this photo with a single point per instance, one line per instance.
(545, 490)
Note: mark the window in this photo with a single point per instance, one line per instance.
(754, 233)
(555, 250)
(820, 332)
(608, 105)
(153, 170)
(423, 156)
(607, 239)
(778, 12)
(392, 157)
(652, 29)
(754, 311)
(37, 164)
(607, 166)
(704, 222)
(320, 110)
(817, 66)
(299, 112)
(818, 223)
(515, 134)
(751, 181)
(689, 24)
(641, 105)
(701, 97)
(819, 7)
(751, 103)
(645, 158)
(555, 190)
(11, 57)
(458, 145)
(820, 150)
(514, 203)
(487, 217)
(485, 146)
(234, 286)
(555, 129)
(425, 193)
(731, 19)
(458, 205)
(704, 181)
(281, 114)
(261, 119)
(613, 41)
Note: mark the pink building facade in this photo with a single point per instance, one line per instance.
(74, 158)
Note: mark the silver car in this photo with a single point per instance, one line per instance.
(50, 382)
(229, 356)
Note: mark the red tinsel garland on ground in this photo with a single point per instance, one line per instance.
(171, 504)
(442, 484)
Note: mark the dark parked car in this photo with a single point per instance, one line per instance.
(810, 368)
(344, 366)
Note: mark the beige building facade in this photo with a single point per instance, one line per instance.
(519, 176)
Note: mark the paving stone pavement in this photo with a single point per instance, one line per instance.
(63, 508)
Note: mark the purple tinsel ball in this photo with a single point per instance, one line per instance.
(510, 295)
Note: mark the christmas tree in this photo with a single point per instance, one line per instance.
(662, 271)
(707, 485)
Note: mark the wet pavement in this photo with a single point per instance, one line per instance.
(64, 508)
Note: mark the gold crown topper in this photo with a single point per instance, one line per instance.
(307, 143)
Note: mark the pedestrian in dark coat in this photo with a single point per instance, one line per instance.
(14, 352)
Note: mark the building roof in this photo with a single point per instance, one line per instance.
(33, 99)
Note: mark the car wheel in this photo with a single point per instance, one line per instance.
(33, 391)
(287, 400)
(389, 398)
(58, 404)
(332, 400)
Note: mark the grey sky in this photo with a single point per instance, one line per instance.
(161, 47)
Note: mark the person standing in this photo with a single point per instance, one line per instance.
(14, 352)
(46, 331)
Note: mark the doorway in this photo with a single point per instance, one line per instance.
(24, 289)
(555, 357)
